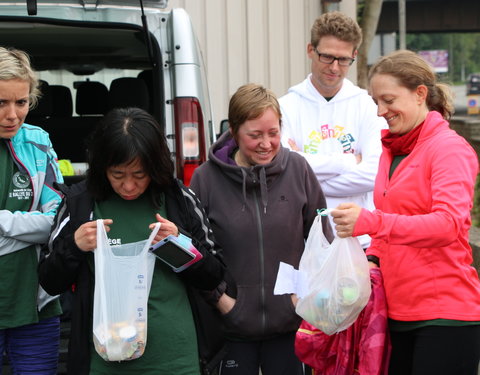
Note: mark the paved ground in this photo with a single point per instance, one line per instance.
(460, 99)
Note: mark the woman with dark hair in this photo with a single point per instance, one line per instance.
(139, 137)
(130, 185)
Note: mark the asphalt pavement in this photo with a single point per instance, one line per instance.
(460, 99)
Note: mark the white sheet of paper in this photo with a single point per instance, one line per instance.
(289, 280)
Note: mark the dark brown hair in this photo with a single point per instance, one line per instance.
(411, 71)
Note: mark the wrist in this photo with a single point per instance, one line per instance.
(373, 259)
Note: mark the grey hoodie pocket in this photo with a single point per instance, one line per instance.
(245, 317)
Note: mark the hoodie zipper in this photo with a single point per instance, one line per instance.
(262, 258)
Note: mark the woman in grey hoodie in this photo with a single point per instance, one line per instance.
(261, 200)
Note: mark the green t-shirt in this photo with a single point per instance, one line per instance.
(171, 336)
(18, 270)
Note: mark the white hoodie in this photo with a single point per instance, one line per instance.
(330, 134)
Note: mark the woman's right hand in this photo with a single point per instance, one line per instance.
(345, 217)
(225, 303)
(86, 234)
(293, 145)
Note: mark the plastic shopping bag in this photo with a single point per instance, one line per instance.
(123, 276)
(338, 281)
(363, 348)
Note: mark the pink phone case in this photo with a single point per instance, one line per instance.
(176, 252)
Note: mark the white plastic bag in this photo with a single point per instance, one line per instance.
(338, 281)
(123, 276)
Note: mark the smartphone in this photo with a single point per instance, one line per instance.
(176, 252)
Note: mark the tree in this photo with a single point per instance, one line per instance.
(370, 13)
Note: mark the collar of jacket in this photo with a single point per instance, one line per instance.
(259, 176)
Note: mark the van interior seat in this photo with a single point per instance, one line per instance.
(91, 99)
(129, 92)
(57, 124)
(44, 108)
(62, 102)
(90, 105)
(147, 77)
(69, 134)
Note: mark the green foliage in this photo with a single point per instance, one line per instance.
(360, 6)
(463, 50)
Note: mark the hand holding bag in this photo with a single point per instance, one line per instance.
(363, 348)
(123, 276)
(338, 281)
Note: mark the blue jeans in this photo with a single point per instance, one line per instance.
(33, 348)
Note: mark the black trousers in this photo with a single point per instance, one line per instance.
(436, 350)
(274, 357)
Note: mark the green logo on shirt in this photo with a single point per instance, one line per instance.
(20, 180)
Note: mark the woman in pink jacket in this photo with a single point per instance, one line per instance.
(423, 197)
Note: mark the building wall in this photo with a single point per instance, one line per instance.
(261, 41)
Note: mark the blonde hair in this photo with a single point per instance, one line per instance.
(15, 64)
(411, 71)
(249, 102)
(338, 25)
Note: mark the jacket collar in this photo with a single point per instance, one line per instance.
(249, 177)
(433, 124)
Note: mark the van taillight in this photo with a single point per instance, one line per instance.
(190, 137)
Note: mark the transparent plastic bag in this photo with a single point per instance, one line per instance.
(338, 281)
(123, 276)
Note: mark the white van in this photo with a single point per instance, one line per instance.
(94, 55)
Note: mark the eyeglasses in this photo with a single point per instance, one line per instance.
(329, 59)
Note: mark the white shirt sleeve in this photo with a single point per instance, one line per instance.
(361, 177)
(324, 166)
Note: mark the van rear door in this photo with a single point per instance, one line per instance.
(74, 42)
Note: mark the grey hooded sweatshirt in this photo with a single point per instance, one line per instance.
(260, 217)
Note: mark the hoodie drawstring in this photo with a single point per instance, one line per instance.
(262, 175)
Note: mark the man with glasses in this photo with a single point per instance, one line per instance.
(332, 122)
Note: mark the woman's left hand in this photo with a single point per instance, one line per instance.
(225, 303)
(345, 216)
(166, 228)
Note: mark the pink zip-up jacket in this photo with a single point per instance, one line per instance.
(420, 227)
